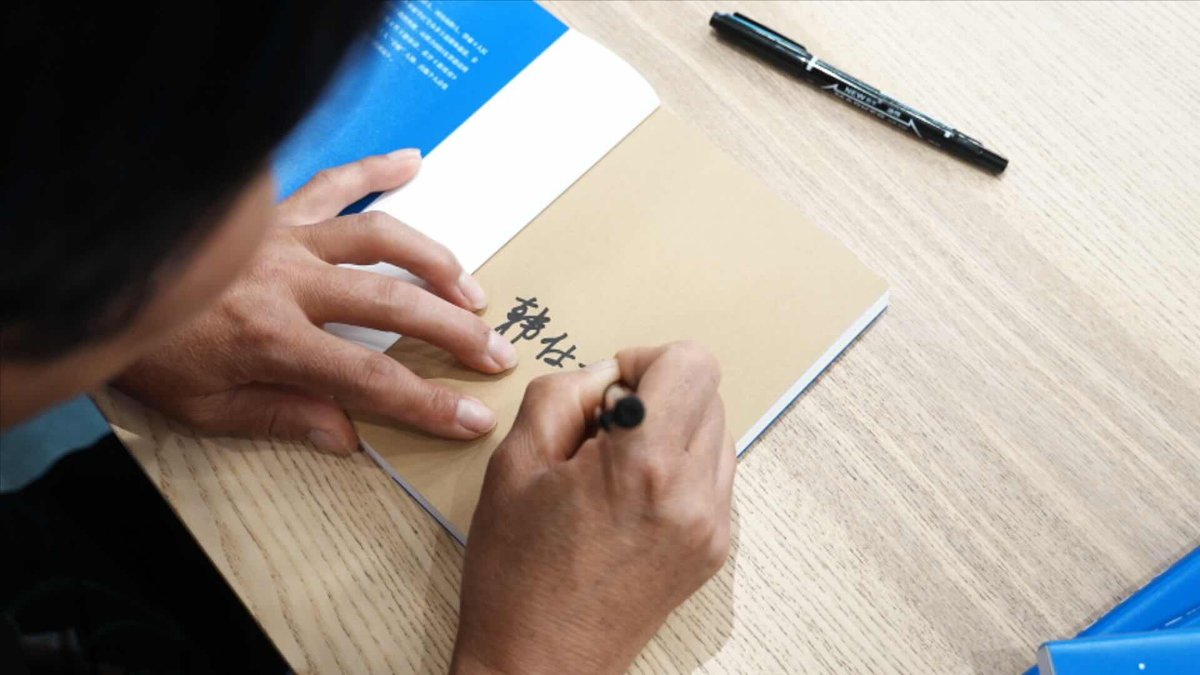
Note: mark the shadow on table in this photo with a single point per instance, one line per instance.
(694, 633)
(699, 628)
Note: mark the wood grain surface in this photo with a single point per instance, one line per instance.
(1011, 449)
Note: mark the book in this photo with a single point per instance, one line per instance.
(530, 107)
(1167, 597)
(1170, 600)
(1163, 652)
(1189, 620)
(597, 220)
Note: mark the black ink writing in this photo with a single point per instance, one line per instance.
(522, 324)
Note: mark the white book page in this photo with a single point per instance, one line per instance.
(516, 155)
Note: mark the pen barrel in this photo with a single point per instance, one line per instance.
(613, 393)
(792, 57)
(621, 408)
(976, 154)
(924, 127)
(789, 56)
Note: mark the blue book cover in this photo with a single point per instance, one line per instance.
(426, 68)
(1189, 620)
(1162, 652)
(507, 105)
(1169, 595)
(1167, 600)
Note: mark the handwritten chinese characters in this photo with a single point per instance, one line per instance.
(526, 321)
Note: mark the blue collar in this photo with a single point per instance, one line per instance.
(30, 448)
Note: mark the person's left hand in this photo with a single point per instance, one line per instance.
(259, 363)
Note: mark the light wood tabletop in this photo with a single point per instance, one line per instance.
(1011, 449)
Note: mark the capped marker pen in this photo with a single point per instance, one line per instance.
(794, 58)
(621, 408)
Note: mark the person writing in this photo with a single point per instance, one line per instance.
(142, 246)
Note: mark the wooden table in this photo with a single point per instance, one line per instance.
(1013, 448)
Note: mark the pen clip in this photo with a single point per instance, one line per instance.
(770, 33)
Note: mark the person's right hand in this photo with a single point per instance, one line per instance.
(581, 546)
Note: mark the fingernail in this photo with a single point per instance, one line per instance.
(502, 351)
(326, 442)
(404, 153)
(472, 291)
(603, 373)
(602, 365)
(474, 416)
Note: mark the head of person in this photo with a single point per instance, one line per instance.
(136, 180)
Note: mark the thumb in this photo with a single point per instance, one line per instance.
(556, 413)
(272, 412)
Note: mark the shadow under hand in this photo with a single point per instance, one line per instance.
(442, 587)
(699, 628)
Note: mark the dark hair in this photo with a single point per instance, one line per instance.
(135, 126)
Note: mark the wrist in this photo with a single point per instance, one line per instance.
(485, 657)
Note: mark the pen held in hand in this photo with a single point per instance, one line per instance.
(622, 408)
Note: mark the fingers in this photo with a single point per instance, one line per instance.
(676, 382)
(712, 458)
(556, 414)
(272, 412)
(368, 238)
(707, 445)
(334, 189)
(723, 502)
(726, 469)
(366, 380)
(680, 356)
(726, 466)
(375, 301)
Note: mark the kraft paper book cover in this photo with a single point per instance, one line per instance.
(594, 220)
(665, 239)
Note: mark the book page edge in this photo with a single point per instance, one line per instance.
(850, 335)
(414, 493)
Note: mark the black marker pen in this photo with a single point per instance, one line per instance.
(793, 57)
(622, 408)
